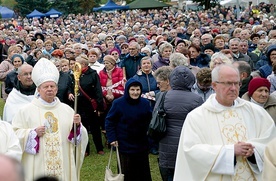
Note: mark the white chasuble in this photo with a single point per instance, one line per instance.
(206, 145)
(53, 151)
(55, 156)
(233, 130)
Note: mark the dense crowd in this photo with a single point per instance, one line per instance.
(126, 55)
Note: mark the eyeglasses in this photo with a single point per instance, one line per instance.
(229, 84)
(132, 48)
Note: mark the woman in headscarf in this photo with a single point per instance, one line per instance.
(126, 127)
(258, 93)
(11, 79)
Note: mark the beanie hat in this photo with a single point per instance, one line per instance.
(269, 50)
(180, 41)
(17, 55)
(110, 59)
(114, 50)
(57, 52)
(209, 46)
(255, 83)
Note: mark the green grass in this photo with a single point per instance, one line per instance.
(94, 165)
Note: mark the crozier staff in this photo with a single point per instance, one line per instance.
(45, 130)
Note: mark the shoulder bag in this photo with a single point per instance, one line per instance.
(157, 127)
(109, 176)
(93, 101)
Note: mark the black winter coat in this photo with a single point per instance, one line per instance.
(90, 83)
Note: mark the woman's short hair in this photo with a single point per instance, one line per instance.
(195, 47)
(177, 59)
(165, 45)
(221, 56)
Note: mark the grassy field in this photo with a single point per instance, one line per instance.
(94, 165)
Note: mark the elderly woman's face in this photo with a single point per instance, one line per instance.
(146, 66)
(166, 53)
(17, 62)
(194, 53)
(261, 95)
(108, 65)
(115, 54)
(92, 58)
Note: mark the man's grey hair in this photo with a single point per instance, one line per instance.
(19, 71)
(234, 39)
(216, 71)
(163, 73)
(177, 59)
(243, 67)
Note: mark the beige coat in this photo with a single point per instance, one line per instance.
(270, 105)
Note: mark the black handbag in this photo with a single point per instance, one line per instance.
(157, 127)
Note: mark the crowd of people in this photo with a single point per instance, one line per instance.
(103, 74)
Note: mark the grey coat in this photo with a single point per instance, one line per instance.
(179, 101)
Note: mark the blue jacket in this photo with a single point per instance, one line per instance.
(202, 60)
(132, 64)
(148, 82)
(128, 120)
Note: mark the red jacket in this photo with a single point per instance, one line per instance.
(117, 75)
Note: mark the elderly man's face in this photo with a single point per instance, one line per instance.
(48, 91)
(243, 47)
(234, 46)
(133, 50)
(25, 76)
(205, 39)
(227, 87)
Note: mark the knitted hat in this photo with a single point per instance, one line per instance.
(180, 41)
(114, 50)
(57, 52)
(110, 59)
(257, 82)
(209, 46)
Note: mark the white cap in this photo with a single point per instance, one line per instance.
(43, 71)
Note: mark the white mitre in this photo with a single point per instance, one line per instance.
(43, 71)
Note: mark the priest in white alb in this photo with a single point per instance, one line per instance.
(225, 138)
(45, 130)
(9, 143)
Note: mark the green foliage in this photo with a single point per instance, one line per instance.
(207, 3)
(65, 6)
(27, 6)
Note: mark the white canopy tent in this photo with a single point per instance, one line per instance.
(241, 2)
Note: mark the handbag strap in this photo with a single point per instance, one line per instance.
(118, 159)
(162, 100)
(84, 93)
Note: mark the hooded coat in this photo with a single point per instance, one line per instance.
(128, 120)
(266, 70)
(179, 101)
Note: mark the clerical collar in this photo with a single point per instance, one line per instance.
(255, 102)
(47, 103)
(218, 105)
